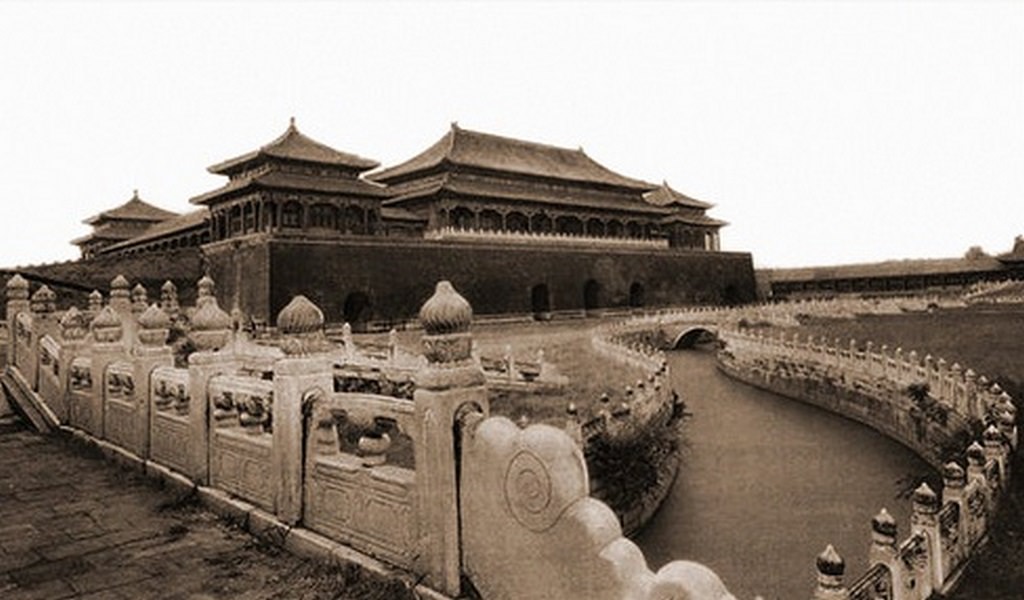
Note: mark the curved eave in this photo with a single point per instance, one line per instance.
(354, 187)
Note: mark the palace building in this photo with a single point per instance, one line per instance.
(518, 226)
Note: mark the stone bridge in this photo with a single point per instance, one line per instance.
(689, 335)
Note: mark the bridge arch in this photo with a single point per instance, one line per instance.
(691, 336)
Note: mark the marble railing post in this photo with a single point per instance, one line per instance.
(44, 322)
(971, 393)
(447, 388)
(830, 576)
(121, 302)
(306, 371)
(17, 302)
(956, 389)
(978, 483)
(924, 521)
(108, 347)
(73, 329)
(954, 481)
(211, 330)
(883, 549)
(151, 352)
(942, 382)
(995, 451)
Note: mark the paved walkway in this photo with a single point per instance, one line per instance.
(73, 525)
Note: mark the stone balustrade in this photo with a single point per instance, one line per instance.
(928, 405)
(790, 313)
(273, 434)
(531, 238)
(1009, 291)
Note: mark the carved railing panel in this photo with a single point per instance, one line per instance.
(80, 405)
(122, 424)
(169, 438)
(241, 438)
(49, 376)
(360, 485)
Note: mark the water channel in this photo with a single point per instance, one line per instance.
(766, 482)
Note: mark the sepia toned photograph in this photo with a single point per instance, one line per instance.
(510, 300)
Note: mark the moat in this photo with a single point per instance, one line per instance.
(766, 480)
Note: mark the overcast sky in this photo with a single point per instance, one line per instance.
(824, 132)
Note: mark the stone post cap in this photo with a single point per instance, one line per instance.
(975, 454)
(211, 326)
(884, 524)
(301, 323)
(73, 324)
(925, 499)
(300, 316)
(953, 474)
(17, 282)
(830, 563)
(119, 283)
(992, 436)
(44, 300)
(446, 318)
(154, 325)
(107, 326)
(168, 287)
(446, 312)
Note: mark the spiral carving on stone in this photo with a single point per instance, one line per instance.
(528, 492)
(446, 312)
(300, 316)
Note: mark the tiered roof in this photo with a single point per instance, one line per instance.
(664, 195)
(123, 222)
(134, 209)
(294, 147)
(195, 219)
(485, 151)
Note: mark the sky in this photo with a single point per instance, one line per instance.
(825, 133)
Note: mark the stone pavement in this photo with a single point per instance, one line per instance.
(73, 525)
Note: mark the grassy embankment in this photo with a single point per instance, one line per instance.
(990, 341)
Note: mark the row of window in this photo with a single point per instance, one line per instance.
(462, 217)
(185, 240)
(272, 216)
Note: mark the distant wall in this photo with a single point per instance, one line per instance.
(397, 276)
(73, 280)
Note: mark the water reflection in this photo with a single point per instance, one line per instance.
(767, 482)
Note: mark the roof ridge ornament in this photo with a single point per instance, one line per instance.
(291, 124)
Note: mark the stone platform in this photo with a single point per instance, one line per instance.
(72, 525)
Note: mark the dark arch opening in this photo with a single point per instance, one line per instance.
(591, 295)
(357, 310)
(694, 337)
(731, 295)
(540, 302)
(636, 295)
(517, 222)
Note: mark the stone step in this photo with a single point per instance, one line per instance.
(26, 402)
